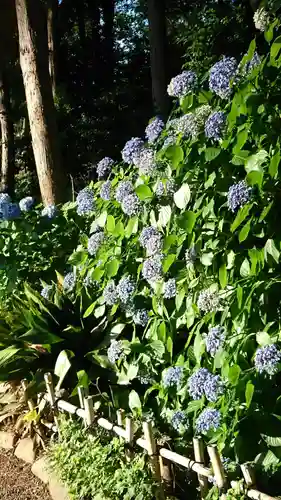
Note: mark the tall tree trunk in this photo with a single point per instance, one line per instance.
(40, 105)
(51, 14)
(158, 59)
(7, 139)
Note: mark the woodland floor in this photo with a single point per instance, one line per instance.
(17, 481)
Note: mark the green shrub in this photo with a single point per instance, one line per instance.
(95, 466)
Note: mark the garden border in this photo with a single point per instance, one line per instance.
(160, 457)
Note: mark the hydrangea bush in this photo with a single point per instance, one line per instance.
(189, 281)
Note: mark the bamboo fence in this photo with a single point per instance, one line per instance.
(160, 458)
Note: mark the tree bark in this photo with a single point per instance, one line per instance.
(40, 105)
(7, 140)
(158, 59)
(51, 11)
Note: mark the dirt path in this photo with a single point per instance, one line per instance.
(17, 481)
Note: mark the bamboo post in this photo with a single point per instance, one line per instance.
(51, 396)
(198, 447)
(166, 474)
(82, 393)
(120, 414)
(30, 403)
(152, 452)
(217, 466)
(129, 436)
(248, 474)
(89, 410)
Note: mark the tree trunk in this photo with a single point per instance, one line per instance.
(51, 11)
(40, 105)
(7, 140)
(158, 59)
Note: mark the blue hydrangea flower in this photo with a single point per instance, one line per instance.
(182, 84)
(190, 256)
(47, 291)
(173, 376)
(69, 282)
(179, 421)
(26, 203)
(196, 383)
(125, 289)
(261, 19)
(115, 351)
(4, 199)
(132, 149)
(214, 339)
(131, 205)
(187, 126)
(152, 268)
(170, 140)
(165, 189)
(255, 61)
(208, 301)
(238, 195)
(145, 379)
(215, 125)
(105, 191)
(85, 201)
(49, 211)
(146, 162)
(141, 317)
(95, 242)
(267, 359)
(151, 239)
(110, 294)
(104, 167)
(201, 114)
(11, 211)
(154, 129)
(213, 387)
(170, 289)
(221, 75)
(124, 189)
(208, 420)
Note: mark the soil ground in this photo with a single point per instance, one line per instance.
(17, 481)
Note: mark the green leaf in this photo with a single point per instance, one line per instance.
(198, 347)
(161, 330)
(241, 138)
(118, 328)
(101, 220)
(164, 215)
(187, 220)
(78, 258)
(272, 441)
(255, 177)
(207, 259)
(110, 223)
(233, 374)
(263, 338)
(134, 401)
(274, 164)
(275, 48)
(270, 460)
(89, 310)
(211, 153)
(223, 275)
(245, 268)
(254, 162)
(132, 227)
(170, 259)
(265, 211)
(158, 347)
(245, 231)
(175, 154)
(62, 367)
(7, 354)
(144, 192)
(112, 267)
(270, 249)
(99, 311)
(182, 196)
(119, 229)
(186, 103)
(243, 212)
(249, 392)
(132, 371)
(169, 346)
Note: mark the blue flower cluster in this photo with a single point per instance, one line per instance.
(69, 282)
(221, 75)
(125, 289)
(151, 239)
(115, 351)
(154, 129)
(182, 84)
(104, 167)
(95, 242)
(49, 211)
(208, 420)
(132, 149)
(105, 191)
(214, 339)
(131, 205)
(179, 421)
(146, 162)
(124, 189)
(238, 195)
(110, 294)
(47, 291)
(215, 125)
(261, 19)
(170, 289)
(165, 189)
(152, 268)
(26, 203)
(140, 317)
(85, 201)
(267, 359)
(208, 301)
(187, 126)
(202, 382)
(173, 376)
(8, 210)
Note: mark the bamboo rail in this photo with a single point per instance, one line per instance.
(158, 456)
